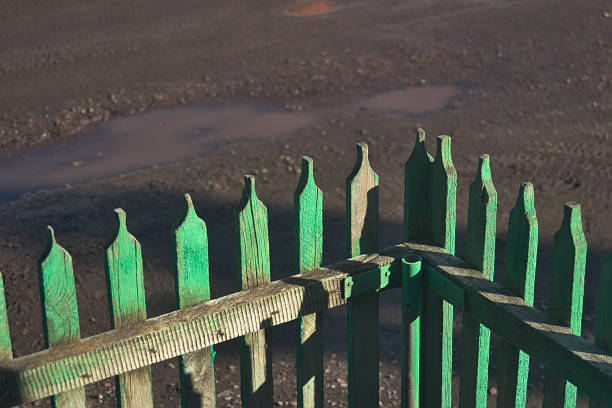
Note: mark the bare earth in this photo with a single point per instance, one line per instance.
(537, 81)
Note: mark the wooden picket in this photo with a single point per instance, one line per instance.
(196, 370)
(521, 254)
(430, 214)
(432, 279)
(566, 293)
(59, 309)
(254, 263)
(362, 312)
(127, 304)
(308, 241)
(480, 253)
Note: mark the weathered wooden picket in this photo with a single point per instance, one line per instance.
(432, 279)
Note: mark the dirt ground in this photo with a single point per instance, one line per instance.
(537, 97)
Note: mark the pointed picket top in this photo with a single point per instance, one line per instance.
(362, 205)
(522, 247)
(362, 312)
(125, 276)
(196, 370)
(59, 308)
(569, 262)
(416, 190)
(58, 294)
(482, 214)
(6, 349)
(437, 319)
(192, 270)
(190, 213)
(443, 196)
(362, 165)
(419, 151)
(308, 219)
(248, 193)
(521, 256)
(254, 269)
(308, 244)
(306, 176)
(566, 294)
(252, 232)
(480, 253)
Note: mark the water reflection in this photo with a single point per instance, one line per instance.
(157, 137)
(310, 7)
(415, 100)
(171, 135)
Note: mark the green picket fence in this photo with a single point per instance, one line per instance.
(432, 279)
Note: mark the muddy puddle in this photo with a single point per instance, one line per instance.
(178, 134)
(307, 8)
(414, 101)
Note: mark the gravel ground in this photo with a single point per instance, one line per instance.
(537, 98)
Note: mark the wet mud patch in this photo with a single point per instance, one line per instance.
(179, 134)
(149, 139)
(312, 7)
(418, 100)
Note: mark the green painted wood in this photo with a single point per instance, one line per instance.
(254, 269)
(362, 312)
(521, 256)
(199, 326)
(59, 309)
(437, 316)
(411, 331)
(416, 190)
(527, 328)
(368, 282)
(417, 182)
(480, 253)
(6, 349)
(196, 370)
(603, 323)
(308, 239)
(127, 304)
(566, 293)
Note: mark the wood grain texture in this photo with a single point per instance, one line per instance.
(437, 316)
(59, 309)
(362, 311)
(308, 241)
(565, 297)
(201, 325)
(254, 269)
(521, 257)
(196, 370)
(603, 328)
(480, 253)
(127, 303)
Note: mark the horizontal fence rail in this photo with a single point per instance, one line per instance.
(207, 323)
(433, 282)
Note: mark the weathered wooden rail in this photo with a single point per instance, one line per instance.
(432, 279)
